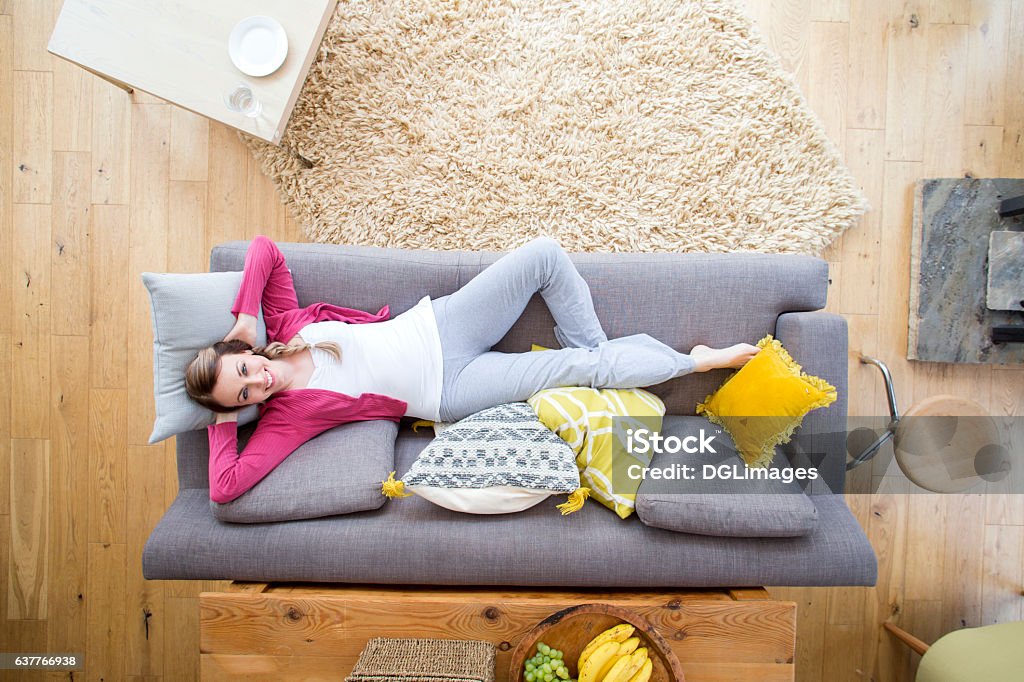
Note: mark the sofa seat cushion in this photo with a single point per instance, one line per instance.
(338, 472)
(417, 542)
(718, 499)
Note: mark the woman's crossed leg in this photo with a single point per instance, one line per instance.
(477, 316)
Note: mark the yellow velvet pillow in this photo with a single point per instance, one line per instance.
(762, 403)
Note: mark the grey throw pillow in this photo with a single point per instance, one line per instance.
(338, 472)
(715, 505)
(190, 312)
(499, 460)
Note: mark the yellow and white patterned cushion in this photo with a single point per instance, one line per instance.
(595, 422)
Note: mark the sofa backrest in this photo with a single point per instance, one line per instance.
(680, 299)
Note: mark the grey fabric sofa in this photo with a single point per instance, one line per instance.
(681, 299)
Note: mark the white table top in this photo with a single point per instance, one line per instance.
(178, 50)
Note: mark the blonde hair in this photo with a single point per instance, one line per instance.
(201, 373)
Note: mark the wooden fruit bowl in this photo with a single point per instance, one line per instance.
(569, 631)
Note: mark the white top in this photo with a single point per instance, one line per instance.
(400, 358)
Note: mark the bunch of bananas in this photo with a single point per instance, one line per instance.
(614, 656)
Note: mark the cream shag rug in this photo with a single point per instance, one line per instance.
(647, 125)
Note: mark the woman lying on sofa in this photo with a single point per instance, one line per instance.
(324, 365)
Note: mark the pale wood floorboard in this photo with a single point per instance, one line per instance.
(97, 186)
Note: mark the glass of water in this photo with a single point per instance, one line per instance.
(243, 100)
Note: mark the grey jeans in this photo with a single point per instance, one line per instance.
(477, 316)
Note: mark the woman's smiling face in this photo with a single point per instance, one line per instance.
(246, 379)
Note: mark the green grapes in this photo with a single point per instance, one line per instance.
(546, 665)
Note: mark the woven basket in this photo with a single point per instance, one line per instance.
(424, 660)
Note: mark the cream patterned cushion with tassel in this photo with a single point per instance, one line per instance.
(496, 461)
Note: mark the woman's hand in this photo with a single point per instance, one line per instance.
(244, 329)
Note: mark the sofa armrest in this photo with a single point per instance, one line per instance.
(819, 342)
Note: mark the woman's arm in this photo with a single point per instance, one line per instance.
(280, 431)
(244, 329)
(233, 473)
(266, 282)
(224, 417)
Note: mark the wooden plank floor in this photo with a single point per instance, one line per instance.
(97, 186)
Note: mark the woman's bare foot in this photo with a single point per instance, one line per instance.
(715, 358)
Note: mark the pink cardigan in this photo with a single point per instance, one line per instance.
(291, 417)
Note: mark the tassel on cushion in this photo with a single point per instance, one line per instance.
(575, 501)
(392, 488)
(421, 422)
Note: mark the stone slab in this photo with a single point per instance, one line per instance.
(1005, 270)
(949, 320)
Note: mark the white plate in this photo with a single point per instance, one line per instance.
(258, 45)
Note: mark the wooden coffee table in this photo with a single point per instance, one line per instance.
(300, 631)
(177, 50)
